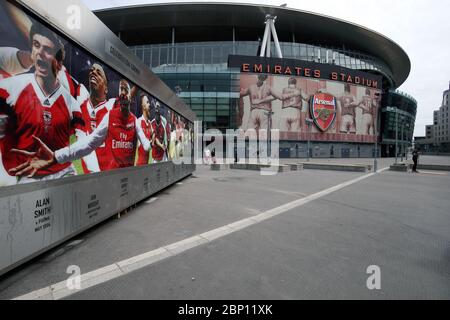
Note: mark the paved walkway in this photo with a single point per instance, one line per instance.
(399, 223)
(319, 248)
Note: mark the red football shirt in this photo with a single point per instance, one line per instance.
(92, 116)
(160, 132)
(120, 143)
(143, 156)
(53, 119)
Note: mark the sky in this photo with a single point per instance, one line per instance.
(420, 27)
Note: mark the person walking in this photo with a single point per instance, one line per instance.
(415, 155)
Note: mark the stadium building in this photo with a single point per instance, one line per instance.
(333, 83)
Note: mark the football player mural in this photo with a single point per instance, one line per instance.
(63, 112)
(340, 111)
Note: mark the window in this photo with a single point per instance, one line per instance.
(163, 56)
(189, 55)
(155, 57)
(181, 55)
(207, 55)
(303, 52)
(147, 57)
(216, 55)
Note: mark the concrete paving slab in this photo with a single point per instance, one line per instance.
(319, 251)
(206, 201)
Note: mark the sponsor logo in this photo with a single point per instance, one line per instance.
(122, 144)
(323, 110)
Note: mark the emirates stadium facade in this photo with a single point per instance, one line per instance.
(209, 53)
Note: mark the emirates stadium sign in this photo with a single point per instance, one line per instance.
(301, 68)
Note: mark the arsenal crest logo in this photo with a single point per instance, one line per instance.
(47, 119)
(323, 110)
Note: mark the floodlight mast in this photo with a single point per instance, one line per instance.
(270, 32)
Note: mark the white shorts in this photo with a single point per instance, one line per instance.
(348, 124)
(367, 123)
(257, 120)
(290, 120)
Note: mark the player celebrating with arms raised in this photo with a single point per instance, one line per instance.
(118, 130)
(38, 108)
(94, 106)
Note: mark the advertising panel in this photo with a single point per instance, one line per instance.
(307, 101)
(64, 113)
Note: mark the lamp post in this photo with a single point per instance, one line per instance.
(269, 134)
(407, 139)
(375, 159)
(309, 123)
(396, 135)
(393, 109)
(402, 146)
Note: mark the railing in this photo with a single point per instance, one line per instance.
(157, 55)
(404, 94)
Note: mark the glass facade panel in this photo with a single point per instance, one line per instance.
(198, 55)
(398, 127)
(189, 55)
(163, 56)
(208, 53)
(199, 71)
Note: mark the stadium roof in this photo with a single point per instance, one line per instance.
(140, 23)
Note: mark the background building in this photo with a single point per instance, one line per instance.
(438, 134)
(188, 45)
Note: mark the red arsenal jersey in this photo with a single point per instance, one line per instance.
(168, 133)
(160, 131)
(120, 144)
(92, 116)
(68, 82)
(143, 156)
(29, 112)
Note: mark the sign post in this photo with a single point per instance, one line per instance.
(269, 115)
(390, 109)
(309, 123)
(375, 159)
